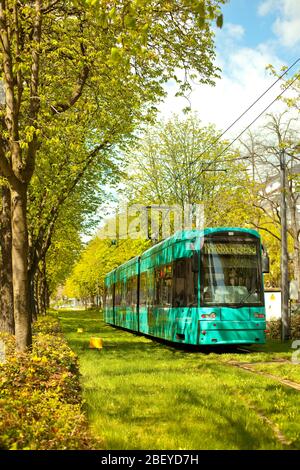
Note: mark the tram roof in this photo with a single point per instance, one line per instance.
(182, 235)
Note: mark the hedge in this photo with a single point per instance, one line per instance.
(274, 327)
(40, 396)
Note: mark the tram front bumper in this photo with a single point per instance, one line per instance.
(231, 332)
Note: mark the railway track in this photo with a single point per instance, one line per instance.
(243, 350)
(249, 367)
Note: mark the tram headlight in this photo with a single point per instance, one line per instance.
(209, 315)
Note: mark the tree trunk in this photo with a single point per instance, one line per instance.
(42, 288)
(20, 268)
(32, 297)
(296, 264)
(40, 295)
(36, 287)
(292, 202)
(7, 322)
(47, 292)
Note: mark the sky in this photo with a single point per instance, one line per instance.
(255, 33)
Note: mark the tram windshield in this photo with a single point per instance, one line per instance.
(231, 272)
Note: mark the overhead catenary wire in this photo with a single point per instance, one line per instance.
(249, 125)
(246, 128)
(246, 111)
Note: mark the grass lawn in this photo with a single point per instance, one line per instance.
(141, 394)
(284, 371)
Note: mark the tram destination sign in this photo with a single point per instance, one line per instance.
(213, 248)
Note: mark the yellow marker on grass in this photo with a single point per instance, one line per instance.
(96, 343)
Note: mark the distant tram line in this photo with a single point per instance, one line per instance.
(198, 287)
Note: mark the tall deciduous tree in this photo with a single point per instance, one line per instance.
(7, 322)
(72, 176)
(180, 162)
(92, 58)
(61, 209)
(279, 134)
(100, 257)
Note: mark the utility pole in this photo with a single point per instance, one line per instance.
(285, 331)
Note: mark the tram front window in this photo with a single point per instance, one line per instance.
(231, 272)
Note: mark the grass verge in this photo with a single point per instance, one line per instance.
(141, 394)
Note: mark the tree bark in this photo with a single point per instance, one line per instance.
(32, 297)
(284, 259)
(42, 288)
(292, 200)
(36, 287)
(46, 296)
(296, 264)
(7, 322)
(39, 292)
(20, 268)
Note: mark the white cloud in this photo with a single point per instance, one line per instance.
(287, 23)
(288, 31)
(267, 6)
(235, 31)
(244, 78)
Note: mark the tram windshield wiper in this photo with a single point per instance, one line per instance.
(243, 301)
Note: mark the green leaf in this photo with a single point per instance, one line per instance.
(201, 8)
(201, 22)
(130, 21)
(112, 13)
(115, 53)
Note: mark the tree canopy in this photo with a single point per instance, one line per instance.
(90, 70)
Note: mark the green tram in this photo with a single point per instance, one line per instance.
(198, 287)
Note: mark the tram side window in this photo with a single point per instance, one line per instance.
(128, 291)
(134, 290)
(123, 293)
(185, 283)
(118, 294)
(143, 288)
(131, 290)
(150, 287)
(163, 285)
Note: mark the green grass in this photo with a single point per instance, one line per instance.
(141, 394)
(283, 371)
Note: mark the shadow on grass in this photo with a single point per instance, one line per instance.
(181, 347)
(231, 424)
(160, 400)
(92, 323)
(275, 346)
